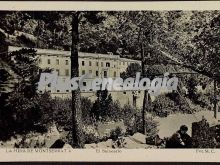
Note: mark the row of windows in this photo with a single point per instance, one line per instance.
(57, 61)
(97, 73)
(67, 73)
(107, 64)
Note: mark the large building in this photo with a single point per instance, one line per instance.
(99, 65)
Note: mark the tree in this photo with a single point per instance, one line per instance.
(77, 135)
(131, 70)
(23, 108)
(192, 38)
(163, 105)
(102, 106)
(192, 90)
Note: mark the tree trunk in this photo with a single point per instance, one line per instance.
(145, 92)
(215, 101)
(77, 134)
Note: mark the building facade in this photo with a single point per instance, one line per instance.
(99, 65)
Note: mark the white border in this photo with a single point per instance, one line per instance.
(123, 155)
(85, 6)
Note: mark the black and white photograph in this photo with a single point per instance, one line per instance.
(142, 79)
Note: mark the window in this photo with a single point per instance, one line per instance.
(84, 83)
(97, 63)
(58, 71)
(83, 72)
(105, 74)
(124, 93)
(48, 61)
(58, 90)
(57, 61)
(101, 64)
(107, 64)
(67, 62)
(67, 72)
(97, 73)
(83, 63)
(90, 63)
(115, 74)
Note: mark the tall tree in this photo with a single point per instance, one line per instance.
(77, 134)
(77, 17)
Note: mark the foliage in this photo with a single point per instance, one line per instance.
(24, 109)
(128, 114)
(62, 112)
(27, 41)
(151, 125)
(131, 70)
(116, 133)
(191, 36)
(101, 106)
(91, 134)
(163, 106)
(86, 105)
(180, 102)
(192, 90)
(119, 143)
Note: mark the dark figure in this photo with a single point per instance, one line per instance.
(180, 139)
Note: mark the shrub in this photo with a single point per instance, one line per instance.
(116, 133)
(163, 106)
(151, 125)
(101, 106)
(91, 134)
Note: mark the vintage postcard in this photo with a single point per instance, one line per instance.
(110, 81)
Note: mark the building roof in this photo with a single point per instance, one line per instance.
(52, 52)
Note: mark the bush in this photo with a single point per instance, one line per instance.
(151, 125)
(163, 106)
(23, 115)
(86, 105)
(180, 102)
(91, 134)
(116, 133)
(101, 106)
(62, 113)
